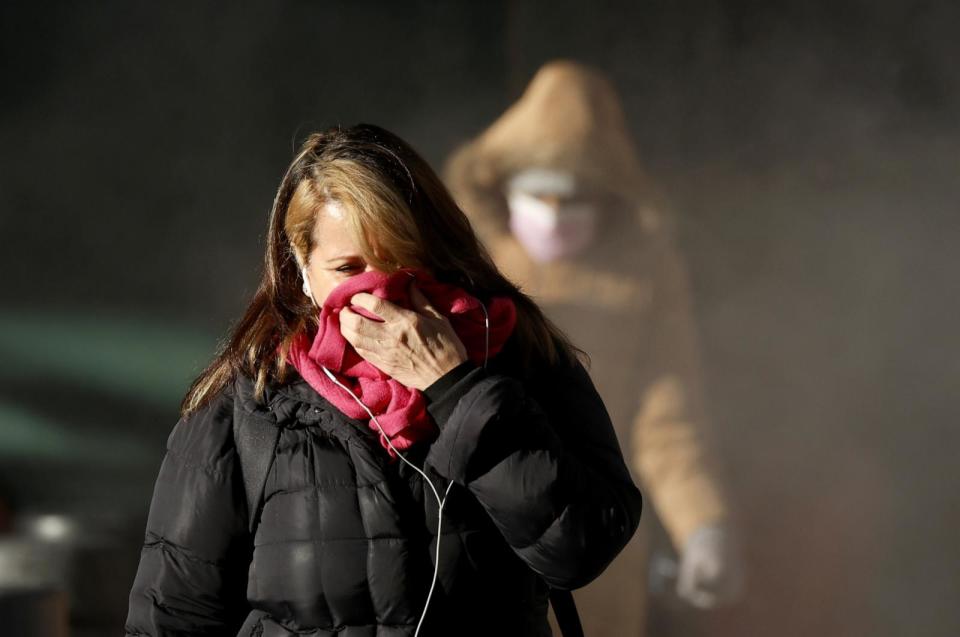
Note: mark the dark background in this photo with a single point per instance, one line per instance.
(809, 149)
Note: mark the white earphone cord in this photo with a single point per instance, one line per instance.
(440, 501)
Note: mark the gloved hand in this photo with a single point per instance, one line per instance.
(711, 571)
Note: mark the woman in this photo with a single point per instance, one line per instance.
(438, 457)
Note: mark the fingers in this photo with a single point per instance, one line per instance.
(381, 307)
(359, 331)
(691, 590)
(704, 580)
(685, 585)
(703, 600)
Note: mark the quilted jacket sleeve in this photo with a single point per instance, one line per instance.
(544, 463)
(193, 565)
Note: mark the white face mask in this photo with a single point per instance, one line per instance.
(549, 231)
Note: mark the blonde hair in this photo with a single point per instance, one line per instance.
(401, 216)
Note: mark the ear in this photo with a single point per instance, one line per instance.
(296, 257)
(306, 282)
(303, 271)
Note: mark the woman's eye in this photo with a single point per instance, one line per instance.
(346, 268)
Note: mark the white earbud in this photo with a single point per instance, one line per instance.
(306, 286)
(303, 274)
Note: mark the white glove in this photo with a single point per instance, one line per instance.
(711, 571)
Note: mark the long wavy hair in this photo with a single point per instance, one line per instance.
(401, 215)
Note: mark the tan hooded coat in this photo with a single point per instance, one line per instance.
(625, 301)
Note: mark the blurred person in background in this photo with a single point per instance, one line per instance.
(555, 189)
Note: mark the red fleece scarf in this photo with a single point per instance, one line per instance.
(400, 410)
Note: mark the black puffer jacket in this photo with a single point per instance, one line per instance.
(346, 540)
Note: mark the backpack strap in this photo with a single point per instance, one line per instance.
(256, 442)
(565, 610)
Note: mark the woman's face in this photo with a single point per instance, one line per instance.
(335, 256)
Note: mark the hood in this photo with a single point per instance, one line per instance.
(569, 119)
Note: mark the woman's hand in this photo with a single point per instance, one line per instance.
(415, 348)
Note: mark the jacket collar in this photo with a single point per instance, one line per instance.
(296, 404)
